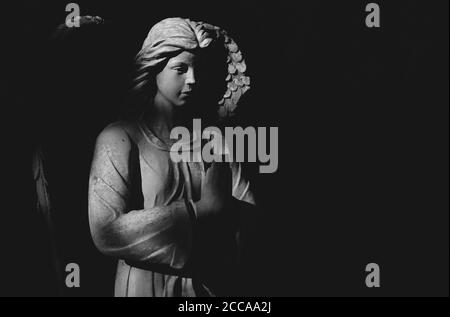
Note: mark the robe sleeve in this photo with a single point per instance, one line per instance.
(244, 208)
(241, 186)
(161, 235)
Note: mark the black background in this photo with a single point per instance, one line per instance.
(363, 139)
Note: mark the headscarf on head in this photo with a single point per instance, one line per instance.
(173, 35)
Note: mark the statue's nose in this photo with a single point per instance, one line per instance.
(190, 77)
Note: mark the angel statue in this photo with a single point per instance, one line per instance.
(175, 227)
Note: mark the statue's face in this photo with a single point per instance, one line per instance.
(177, 81)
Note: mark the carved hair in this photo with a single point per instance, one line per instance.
(172, 35)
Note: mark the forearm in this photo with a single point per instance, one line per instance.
(158, 235)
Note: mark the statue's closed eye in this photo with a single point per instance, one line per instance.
(181, 69)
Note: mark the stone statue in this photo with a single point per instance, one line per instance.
(174, 227)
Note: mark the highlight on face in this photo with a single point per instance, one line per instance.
(176, 83)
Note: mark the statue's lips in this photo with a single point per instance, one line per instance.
(186, 93)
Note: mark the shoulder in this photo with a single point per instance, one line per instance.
(113, 151)
(115, 135)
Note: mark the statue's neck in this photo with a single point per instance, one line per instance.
(163, 116)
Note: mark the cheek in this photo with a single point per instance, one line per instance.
(169, 83)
